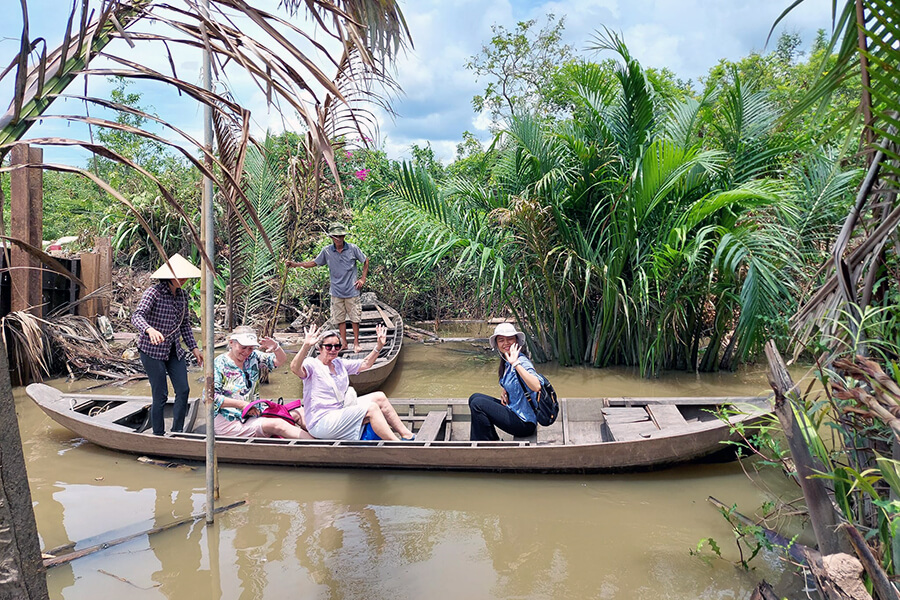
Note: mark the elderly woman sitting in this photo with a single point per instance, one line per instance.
(332, 410)
(236, 378)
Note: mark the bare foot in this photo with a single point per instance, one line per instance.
(355, 347)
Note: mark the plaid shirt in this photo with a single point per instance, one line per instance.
(168, 315)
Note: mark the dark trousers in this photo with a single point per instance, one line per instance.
(159, 388)
(488, 412)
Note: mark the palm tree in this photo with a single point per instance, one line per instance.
(866, 38)
(623, 236)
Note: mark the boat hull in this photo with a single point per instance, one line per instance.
(689, 443)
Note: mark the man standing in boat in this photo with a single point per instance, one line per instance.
(341, 258)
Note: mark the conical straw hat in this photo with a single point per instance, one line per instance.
(177, 267)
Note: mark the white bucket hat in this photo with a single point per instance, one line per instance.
(245, 336)
(177, 267)
(506, 329)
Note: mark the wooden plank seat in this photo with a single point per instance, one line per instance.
(431, 426)
(628, 423)
(531, 439)
(118, 413)
(666, 416)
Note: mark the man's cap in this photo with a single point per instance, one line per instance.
(337, 229)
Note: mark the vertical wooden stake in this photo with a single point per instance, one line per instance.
(27, 224)
(20, 550)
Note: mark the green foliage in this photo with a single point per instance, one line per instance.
(516, 64)
(257, 264)
(638, 230)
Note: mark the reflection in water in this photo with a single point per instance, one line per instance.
(335, 534)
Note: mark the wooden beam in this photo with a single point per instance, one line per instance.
(90, 275)
(20, 550)
(103, 248)
(26, 223)
(822, 513)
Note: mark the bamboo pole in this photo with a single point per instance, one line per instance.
(66, 558)
(208, 297)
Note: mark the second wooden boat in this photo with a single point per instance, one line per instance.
(374, 312)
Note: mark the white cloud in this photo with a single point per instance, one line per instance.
(687, 36)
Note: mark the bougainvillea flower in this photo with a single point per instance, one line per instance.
(362, 174)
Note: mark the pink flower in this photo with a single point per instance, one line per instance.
(362, 174)
(349, 154)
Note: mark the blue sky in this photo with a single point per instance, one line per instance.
(687, 36)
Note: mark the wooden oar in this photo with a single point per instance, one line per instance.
(65, 558)
(388, 323)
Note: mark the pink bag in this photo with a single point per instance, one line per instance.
(273, 408)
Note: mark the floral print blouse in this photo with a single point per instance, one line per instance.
(232, 381)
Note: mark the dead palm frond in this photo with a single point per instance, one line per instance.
(25, 340)
(271, 50)
(866, 38)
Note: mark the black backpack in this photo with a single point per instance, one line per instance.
(546, 405)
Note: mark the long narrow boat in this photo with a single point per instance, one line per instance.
(590, 435)
(374, 312)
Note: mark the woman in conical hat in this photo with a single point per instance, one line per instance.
(163, 319)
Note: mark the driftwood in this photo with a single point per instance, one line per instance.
(837, 576)
(66, 558)
(822, 513)
(424, 332)
(880, 582)
(764, 591)
(795, 550)
(165, 464)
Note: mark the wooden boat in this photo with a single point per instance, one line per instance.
(590, 435)
(374, 312)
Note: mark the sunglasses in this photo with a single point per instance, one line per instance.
(331, 346)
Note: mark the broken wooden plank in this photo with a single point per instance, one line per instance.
(625, 415)
(66, 558)
(666, 415)
(431, 426)
(387, 320)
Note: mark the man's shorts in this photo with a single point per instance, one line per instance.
(346, 309)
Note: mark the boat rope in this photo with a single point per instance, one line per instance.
(99, 409)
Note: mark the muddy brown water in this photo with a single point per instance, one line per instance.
(343, 534)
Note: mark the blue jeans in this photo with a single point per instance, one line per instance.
(156, 372)
(488, 412)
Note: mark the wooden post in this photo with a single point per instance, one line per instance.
(26, 223)
(90, 275)
(104, 272)
(20, 549)
(822, 514)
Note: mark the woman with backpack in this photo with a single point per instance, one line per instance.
(512, 411)
(237, 375)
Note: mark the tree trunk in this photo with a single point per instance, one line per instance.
(22, 574)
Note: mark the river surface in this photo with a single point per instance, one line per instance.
(347, 534)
